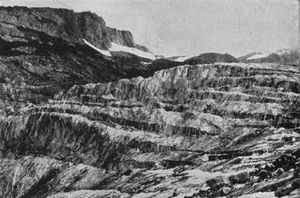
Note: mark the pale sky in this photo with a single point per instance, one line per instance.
(191, 27)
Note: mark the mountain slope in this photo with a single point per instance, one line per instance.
(210, 58)
(283, 56)
(43, 50)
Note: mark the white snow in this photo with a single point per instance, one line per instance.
(182, 58)
(259, 55)
(265, 54)
(108, 97)
(283, 51)
(121, 48)
(104, 52)
(117, 48)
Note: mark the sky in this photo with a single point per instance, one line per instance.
(192, 27)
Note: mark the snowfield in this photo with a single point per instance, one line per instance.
(121, 48)
(259, 55)
(104, 52)
(182, 58)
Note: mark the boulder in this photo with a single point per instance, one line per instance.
(217, 183)
(240, 178)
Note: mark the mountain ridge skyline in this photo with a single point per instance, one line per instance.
(180, 28)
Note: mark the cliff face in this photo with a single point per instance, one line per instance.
(206, 130)
(22, 24)
(43, 50)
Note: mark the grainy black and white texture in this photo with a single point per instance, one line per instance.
(88, 113)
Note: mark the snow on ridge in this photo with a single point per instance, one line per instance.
(116, 47)
(104, 52)
(182, 58)
(259, 55)
(283, 51)
(287, 51)
(280, 52)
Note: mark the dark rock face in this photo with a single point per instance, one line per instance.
(21, 24)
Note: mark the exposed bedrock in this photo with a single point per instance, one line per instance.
(22, 24)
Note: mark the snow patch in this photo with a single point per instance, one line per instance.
(182, 58)
(121, 48)
(104, 52)
(259, 55)
(116, 48)
(283, 51)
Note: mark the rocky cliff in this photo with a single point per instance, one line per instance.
(43, 50)
(29, 25)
